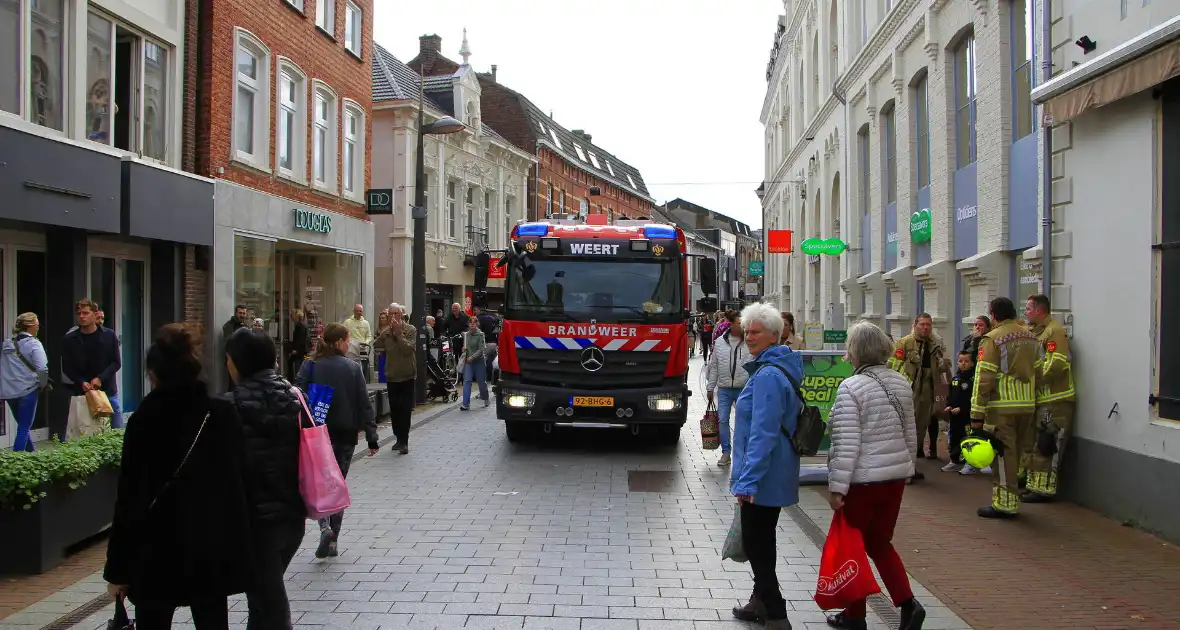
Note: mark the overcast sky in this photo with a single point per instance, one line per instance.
(673, 87)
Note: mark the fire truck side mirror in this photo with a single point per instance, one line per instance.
(482, 263)
(708, 273)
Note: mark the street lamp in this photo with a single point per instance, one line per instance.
(443, 125)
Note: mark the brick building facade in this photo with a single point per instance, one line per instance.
(572, 174)
(278, 98)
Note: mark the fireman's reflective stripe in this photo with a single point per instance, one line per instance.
(1044, 392)
(1010, 393)
(976, 408)
(1045, 396)
(898, 365)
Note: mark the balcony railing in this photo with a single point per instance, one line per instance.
(476, 243)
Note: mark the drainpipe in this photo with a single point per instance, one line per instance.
(1047, 154)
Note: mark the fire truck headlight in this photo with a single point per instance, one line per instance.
(639, 244)
(520, 400)
(664, 402)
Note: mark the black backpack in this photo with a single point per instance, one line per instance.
(809, 425)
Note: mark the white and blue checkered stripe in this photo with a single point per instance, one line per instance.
(578, 343)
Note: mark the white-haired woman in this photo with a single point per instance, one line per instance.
(765, 475)
(874, 441)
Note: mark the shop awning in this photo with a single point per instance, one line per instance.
(1131, 67)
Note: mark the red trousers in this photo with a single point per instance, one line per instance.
(872, 508)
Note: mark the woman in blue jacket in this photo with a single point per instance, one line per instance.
(765, 465)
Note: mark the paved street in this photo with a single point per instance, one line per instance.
(470, 531)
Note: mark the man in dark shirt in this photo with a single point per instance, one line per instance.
(90, 353)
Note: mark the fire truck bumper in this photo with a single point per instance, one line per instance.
(667, 405)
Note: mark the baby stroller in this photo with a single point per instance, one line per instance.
(440, 383)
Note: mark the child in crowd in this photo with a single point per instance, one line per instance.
(958, 411)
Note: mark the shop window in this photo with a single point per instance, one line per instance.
(1023, 38)
(452, 211)
(889, 152)
(32, 60)
(10, 58)
(921, 111)
(353, 162)
(325, 16)
(323, 146)
(292, 121)
(349, 281)
(965, 91)
(353, 28)
(251, 137)
(126, 89)
(1166, 259)
(254, 276)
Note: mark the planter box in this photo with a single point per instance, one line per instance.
(39, 536)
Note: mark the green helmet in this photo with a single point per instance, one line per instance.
(978, 452)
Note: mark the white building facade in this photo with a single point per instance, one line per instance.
(882, 116)
(1116, 168)
(477, 184)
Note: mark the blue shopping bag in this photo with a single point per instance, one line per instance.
(319, 397)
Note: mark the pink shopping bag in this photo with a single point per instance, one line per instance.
(321, 484)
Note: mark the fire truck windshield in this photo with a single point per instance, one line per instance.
(575, 289)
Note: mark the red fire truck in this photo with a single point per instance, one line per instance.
(594, 327)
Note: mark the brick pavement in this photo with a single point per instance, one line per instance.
(471, 531)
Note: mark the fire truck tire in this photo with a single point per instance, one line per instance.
(668, 435)
(515, 430)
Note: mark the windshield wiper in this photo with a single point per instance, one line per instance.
(544, 311)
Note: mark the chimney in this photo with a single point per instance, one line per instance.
(429, 49)
(493, 73)
(582, 134)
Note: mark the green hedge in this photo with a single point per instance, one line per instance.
(23, 476)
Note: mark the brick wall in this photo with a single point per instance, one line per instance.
(196, 293)
(292, 34)
(556, 170)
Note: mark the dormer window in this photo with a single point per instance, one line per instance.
(472, 116)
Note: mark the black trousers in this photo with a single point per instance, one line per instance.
(705, 339)
(759, 524)
(343, 452)
(275, 545)
(955, 434)
(401, 407)
(212, 615)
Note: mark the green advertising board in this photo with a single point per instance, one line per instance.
(822, 374)
(756, 268)
(920, 226)
(835, 336)
(817, 246)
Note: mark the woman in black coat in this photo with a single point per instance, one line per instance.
(269, 412)
(181, 512)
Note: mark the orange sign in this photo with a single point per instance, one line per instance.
(495, 270)
(778, 242)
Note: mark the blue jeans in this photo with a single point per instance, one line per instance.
(478, 371)
(24, 409)
(117, 416)
(726, 396)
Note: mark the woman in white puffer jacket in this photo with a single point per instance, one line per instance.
(874, 440)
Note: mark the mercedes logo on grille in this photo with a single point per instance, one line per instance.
(593, 359)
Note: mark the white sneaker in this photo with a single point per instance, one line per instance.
(724, 461)
(987, 471)
(952, 467)
(968, 469)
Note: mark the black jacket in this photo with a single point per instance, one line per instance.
(300, 340)
(350, 411)
(270, 415)
(80, 368)
(230, 327)
(194, 543)
(959, 395)
(488, 325)
(457, 325)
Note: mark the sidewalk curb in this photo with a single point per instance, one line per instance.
(95, 605)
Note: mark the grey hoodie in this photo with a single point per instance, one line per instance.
(350, 411)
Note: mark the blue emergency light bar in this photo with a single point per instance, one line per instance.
(532, 229)
(658, 231)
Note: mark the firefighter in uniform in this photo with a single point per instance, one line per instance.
(1003, 400)
(921, 357)
(1055, 401)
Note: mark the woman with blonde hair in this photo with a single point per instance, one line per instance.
(24, 373)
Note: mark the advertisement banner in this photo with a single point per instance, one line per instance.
(778, 242)
(822, 374)
(467, 302)
(495, 270)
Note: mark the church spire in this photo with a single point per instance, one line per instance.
(465, 49)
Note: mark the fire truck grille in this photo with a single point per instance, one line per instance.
(563, 368)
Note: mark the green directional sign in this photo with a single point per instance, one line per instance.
(828, 246)
(920, 226)
(756, 268)
(835, 336)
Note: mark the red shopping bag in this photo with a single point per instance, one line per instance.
(845, 576)
(710, 437)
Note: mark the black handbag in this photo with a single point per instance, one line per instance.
(121, 621)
